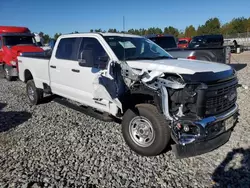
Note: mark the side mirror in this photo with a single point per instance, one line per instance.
(82, 62)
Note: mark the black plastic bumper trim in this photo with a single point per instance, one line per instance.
(198, 148)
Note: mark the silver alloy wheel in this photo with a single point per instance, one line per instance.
(31, 93)
(141, 131)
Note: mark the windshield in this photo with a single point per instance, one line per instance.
(19, 40)
(131, 48)
(196, 41)
(182, 42)
(165, 42)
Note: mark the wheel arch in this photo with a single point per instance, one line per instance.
(139, 96)
(27, 75)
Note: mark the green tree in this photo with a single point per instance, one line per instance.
(181, 34)
(98, 30)
(238, 25)
(190, 31)
(113, 31)
(91, 30)
(57, 35)
(248, 25)
(46, 38)
(171, 31)
(211, 26)
(131, 31)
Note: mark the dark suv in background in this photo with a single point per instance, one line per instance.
(205, 47)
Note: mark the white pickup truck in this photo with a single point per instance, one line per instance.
(156, 97)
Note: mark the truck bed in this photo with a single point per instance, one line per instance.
(37, 65)
(39, 55)
(214, 54)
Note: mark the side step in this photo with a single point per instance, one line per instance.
(86, 110)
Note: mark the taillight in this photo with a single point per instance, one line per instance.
(191, 57)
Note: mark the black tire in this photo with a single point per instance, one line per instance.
(160, 129)
(37, 95)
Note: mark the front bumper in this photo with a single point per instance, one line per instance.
(205, 143)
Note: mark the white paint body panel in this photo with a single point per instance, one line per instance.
(179, 66)
(38, 68)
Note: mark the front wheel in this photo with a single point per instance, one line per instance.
(35, 95)
(145, 130)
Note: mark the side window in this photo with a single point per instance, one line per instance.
(93, 53)
(0, 43)
(68, 48)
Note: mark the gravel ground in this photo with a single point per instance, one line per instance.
(52, 146)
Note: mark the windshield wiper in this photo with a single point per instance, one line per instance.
(149, 58)
(139, 58)
(163, 57)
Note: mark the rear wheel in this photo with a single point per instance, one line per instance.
(35, 95)
(145, 130)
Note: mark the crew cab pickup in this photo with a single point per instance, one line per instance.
(155, 97)
(13, 41)
(195, 50)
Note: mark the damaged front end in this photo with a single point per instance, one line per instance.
(201, 115)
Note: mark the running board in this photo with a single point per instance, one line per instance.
(104, 116)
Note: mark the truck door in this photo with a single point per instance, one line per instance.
(76, 72)
(92, 61)
(61, 63)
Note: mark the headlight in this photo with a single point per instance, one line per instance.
(13, 63)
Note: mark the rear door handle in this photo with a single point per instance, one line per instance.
(53, 66)
(75, 70)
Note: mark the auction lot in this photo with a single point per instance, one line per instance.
(53, 146)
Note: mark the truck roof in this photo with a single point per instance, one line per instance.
(103, 34)
(13, 29)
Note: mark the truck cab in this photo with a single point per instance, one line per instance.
(130, 78)
(13, 41)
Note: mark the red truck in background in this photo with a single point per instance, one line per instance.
(13, 41)
(183, 42)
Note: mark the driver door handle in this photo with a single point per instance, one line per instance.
(75, 70)
(53, 66)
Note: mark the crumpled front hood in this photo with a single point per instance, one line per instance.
(179, 66)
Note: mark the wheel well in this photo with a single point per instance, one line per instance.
(27, 76)
(130, 100)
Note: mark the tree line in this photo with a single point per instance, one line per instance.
(211, 26)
